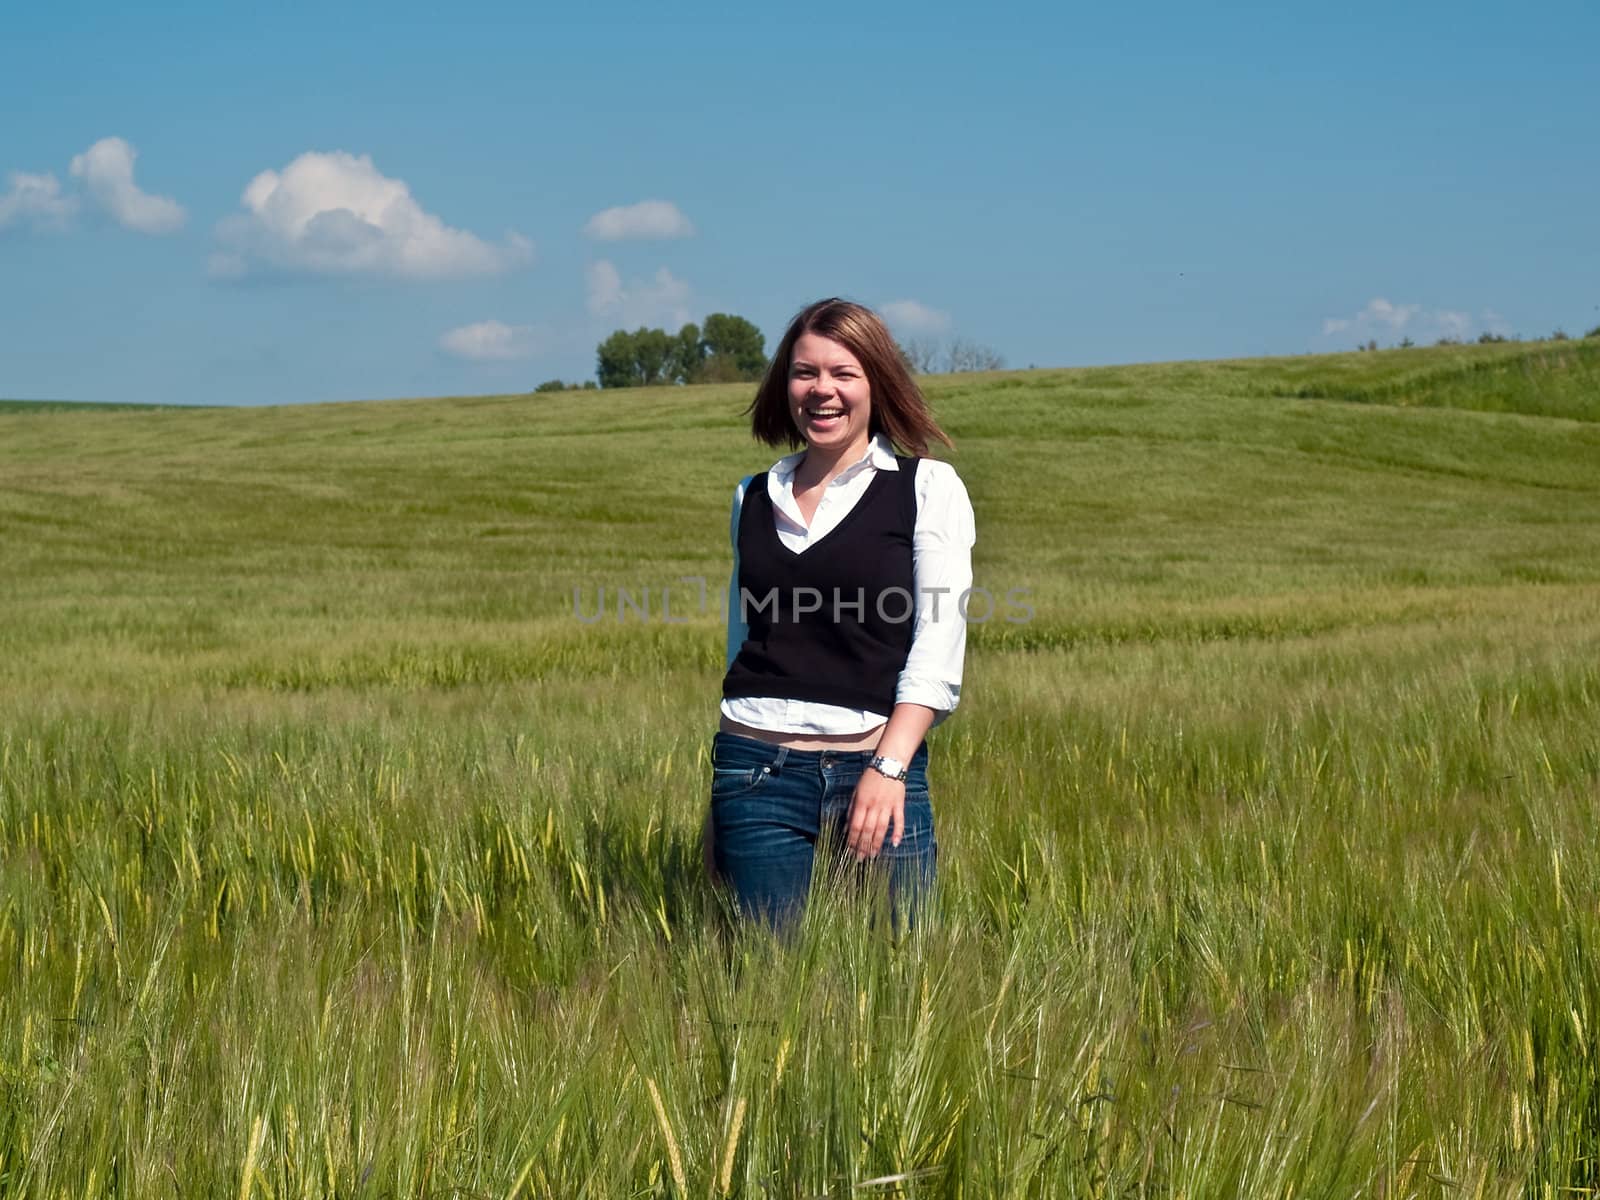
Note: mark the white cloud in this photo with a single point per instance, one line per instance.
(661, 300)
(910, 316)
(492, 341)
(337, 214)
(106, 169)
(647, 219)
(36, 199)
(1378, 312)
(1380, 318)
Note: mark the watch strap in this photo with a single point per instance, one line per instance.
(893, 768)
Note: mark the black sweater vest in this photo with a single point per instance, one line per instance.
(832, 624)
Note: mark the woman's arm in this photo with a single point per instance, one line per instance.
(941, 569)
(738, 630)
(929, 687)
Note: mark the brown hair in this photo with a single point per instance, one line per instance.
(898, 407)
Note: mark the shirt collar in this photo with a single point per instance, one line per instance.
(879, 455)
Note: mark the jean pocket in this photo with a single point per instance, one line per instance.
(728, 783)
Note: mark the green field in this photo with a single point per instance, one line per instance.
(337, 857)
(11, 407)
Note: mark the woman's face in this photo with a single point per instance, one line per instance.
(830, 401)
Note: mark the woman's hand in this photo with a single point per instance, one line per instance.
(877, 807)
(879, 803)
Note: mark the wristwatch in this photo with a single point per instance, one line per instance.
(891, 767)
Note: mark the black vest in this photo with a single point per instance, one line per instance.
(831, 624)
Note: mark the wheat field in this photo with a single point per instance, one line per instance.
(339, 858)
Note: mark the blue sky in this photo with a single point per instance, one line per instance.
(204, 203)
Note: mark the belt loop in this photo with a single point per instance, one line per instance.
(783, 753)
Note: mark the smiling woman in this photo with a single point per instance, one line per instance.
(840, 655)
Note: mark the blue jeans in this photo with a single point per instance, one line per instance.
(770, 806)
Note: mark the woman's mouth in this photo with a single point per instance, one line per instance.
(824, 417)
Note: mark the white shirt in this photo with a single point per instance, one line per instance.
(941, 556)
